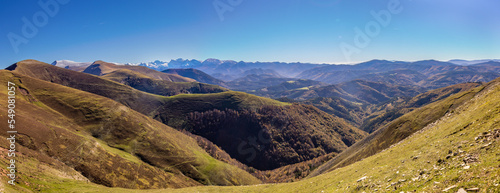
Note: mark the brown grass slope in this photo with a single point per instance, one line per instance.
(140, 101)
(386, 112)
(396, 131)
(100, 68)
(160, 87)
(198, 75)
(77, 127)
(176, 111)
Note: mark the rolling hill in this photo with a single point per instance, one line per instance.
(76, 66)
(197, 75)
(444, 146)
(430, 74)
(88, 137)
(318, 133)
(402, 127)
(100, 68)
(160, 87)
(388, 111)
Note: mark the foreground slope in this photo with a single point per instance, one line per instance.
(99, 140)
(457, 150)
(260, 132)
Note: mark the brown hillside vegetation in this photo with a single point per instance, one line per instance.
(100, 68)
(318, 133)
(288, 173)
(107, 142)
(281, 135)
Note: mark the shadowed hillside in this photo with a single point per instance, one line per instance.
(107, 142)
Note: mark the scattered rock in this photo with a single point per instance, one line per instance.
(449, 188)
(362, 178)
(473, 189)
(414, 158)
(466, 167)
(448, 156)
(470, 158)
(461, 190)
(486, 145)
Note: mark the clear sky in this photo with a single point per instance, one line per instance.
(318, 31)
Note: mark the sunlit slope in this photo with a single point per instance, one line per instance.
(387, 112)
(160, 87)
(100, 68)
(107, 142)
(397, 130)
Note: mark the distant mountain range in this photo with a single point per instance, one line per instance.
(230, 67)
(471, 62)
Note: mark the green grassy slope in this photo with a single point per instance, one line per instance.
(109, 143)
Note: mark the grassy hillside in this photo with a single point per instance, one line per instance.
(106, 142)
(318, 132)
(386, 112)
(456, 151)
(160, 87)
(197, 75)
(398, 130)
(100, 68)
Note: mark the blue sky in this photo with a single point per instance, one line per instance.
(251, 30)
